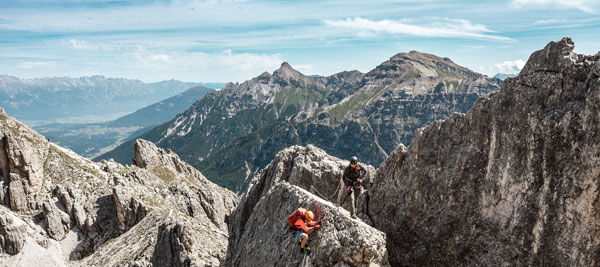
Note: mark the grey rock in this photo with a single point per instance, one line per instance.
(57, 222)
(129, 210)
(16, 193)
(106, 213)
(164, 240)
(511, 183)
(173, 246)
(308, 167)
(212, 200)
(22, 157)
(12, 235)
(266, 241)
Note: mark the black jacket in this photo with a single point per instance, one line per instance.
(351, 177)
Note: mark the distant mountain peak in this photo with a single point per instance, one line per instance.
(265, 74)
(422, 64)
(287, 72)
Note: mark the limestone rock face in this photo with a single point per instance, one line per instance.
(57, 222)
(60, 209)
(266, 241)
(307, 167)
(212, 200)
(514, 182)
(22, 156)
(129, 210)
(12, 234)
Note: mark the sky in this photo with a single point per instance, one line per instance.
(235, 40)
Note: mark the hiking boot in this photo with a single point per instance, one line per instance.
(306, 249)
(353, 216)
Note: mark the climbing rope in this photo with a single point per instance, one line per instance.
(322, 196)
(304, 261)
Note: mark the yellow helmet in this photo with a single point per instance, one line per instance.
(309, 215)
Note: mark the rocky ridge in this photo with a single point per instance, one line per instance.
(514, 182)
(258, 232)
(64, 210)
(340, 241)
(160, 211)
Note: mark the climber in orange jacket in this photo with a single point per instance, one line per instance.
(298, 221)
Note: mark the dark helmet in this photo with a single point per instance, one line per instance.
(353, 160)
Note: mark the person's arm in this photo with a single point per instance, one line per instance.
(346, 177)
(363, 172)
(306, 229)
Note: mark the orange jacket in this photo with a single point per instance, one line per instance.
(296, 220)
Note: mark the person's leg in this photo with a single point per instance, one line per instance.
(359, 191)
(353, 211)
(304, 239)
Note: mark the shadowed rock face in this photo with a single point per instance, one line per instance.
(512, 182)
(341, 241)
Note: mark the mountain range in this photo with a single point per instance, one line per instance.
(512, 182)
(232, 133)
(86, 99)
(93, 139)
(504, 76)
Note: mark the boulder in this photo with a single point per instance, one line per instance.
(57, 222)
(12, 233)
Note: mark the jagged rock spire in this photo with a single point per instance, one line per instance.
(512, 182)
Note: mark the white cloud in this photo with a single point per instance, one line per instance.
(224, 66)
(159, 58)
(473, 46)
(549, 21)
(305, 68)
(365, 34)
(510, 67)
(588, 6)
(37, 64)
(443, 28)
(81, 45)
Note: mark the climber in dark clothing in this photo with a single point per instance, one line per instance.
(354, 175)
(298, 221)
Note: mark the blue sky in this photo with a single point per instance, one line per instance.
(235, 40)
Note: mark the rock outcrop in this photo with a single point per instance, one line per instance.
(307, 167)
(341, 241)
(64, 210)
(514, 182)
(22, 155)
(12, 233)
(258, 228)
